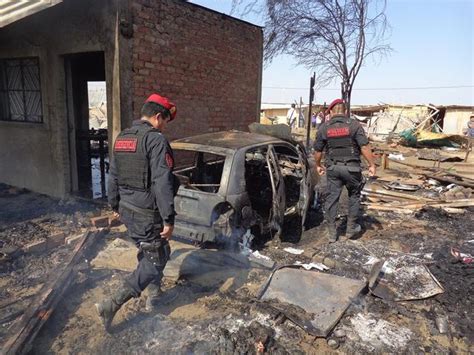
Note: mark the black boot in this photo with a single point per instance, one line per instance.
(108, 307)
(157, 297)
(331, 232)
(154, 293)
(352, 229)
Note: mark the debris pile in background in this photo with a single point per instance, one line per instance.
(412, 179)
(417, 126)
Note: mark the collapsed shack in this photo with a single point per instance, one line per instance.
(416, 125)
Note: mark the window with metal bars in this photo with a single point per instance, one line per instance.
(20, 90)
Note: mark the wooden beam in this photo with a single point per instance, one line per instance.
(456, 204)
(11, 317)
(413, 165)
(436, 171)
(389, 209)
(468, 150)
(458, 176)
(385, 162)
(388, 198)
(454, 210)
(408, 208)
(451, 181)
(370, 189)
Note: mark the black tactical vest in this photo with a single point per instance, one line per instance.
(342, 147)
(133, 169)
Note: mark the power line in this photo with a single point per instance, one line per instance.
(370, 89)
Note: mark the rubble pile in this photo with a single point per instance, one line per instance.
(404, 285)
(407, 182)
(423, 127)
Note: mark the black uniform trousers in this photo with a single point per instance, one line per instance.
(153, 251)
(338, 176)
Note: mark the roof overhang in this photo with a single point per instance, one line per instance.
(14, 10)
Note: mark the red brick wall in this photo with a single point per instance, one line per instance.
(207, 63)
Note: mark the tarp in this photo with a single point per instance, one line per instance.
(409, 137)
(440, 139)
(425, 138)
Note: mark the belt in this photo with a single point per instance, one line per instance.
(144, 211)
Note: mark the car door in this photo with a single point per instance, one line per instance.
(195, 208)
(278, 190)
(305, 186)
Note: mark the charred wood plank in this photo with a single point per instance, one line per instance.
(464, 177)
(7, 303)
(10, 317)
(407, 208)
(451, 181)
(413, 165)
(374, 190)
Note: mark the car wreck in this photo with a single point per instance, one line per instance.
(233, 183)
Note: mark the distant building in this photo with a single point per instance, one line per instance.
(450, 119)
(276, 113)
(456, 118)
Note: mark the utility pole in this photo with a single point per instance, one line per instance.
(311, 98)
(300, 114)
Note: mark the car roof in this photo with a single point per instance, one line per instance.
(234, 140)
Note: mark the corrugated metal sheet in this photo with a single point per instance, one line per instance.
(14, 10)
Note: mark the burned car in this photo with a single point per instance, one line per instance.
(233, 183)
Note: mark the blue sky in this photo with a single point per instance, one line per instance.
(433, 42)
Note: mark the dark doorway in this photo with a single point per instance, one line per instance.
(85, 73)
(437, 122)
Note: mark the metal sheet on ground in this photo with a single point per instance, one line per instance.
(325, 296)
(405, 282)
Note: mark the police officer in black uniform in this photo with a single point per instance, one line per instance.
(343, 140)
(142, 189)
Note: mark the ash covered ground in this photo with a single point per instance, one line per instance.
(26, 218)
(216, 311)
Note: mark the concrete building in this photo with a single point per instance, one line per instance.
(456, 118)
(197, 57)
(276, 113)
